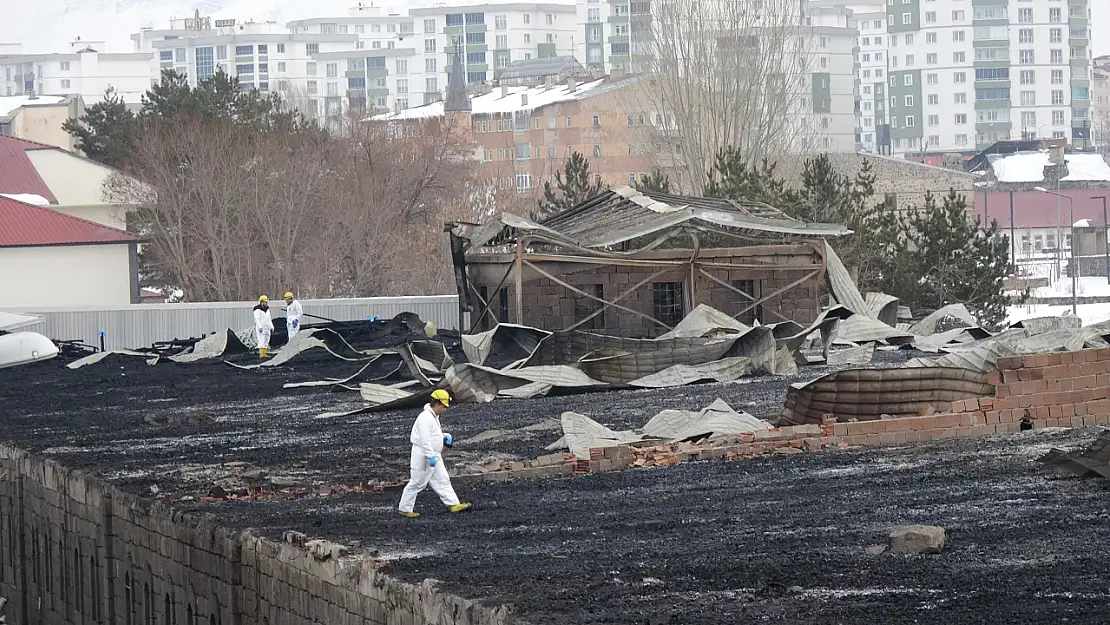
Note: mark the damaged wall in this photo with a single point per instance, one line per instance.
(551, 306)
(74, 549)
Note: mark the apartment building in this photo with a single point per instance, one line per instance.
(871, 24)
(84, 71)
(614, 36)
(829, 39)
(1100, 104)
(961, 75)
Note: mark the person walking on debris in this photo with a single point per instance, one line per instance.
(293, 313)
(425, 466)
(263, 325)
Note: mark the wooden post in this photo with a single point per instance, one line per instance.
(518, 280)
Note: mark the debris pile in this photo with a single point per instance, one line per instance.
(1091, 461)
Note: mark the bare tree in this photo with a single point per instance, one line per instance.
(229, 214)
(724, 74)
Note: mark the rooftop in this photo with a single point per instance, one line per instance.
(1030, 166)
(10, 104)
(18, 174)
(27, 225)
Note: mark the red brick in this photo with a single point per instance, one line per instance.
(993, 418)
(1029, 360)
(986, 403)
(958, 406)
(1080, 409)
(1055, 412)
(1036, 374)
(1040, 423)
(1054, 423)
(841, 429)
(994, 377)
(1067, 410)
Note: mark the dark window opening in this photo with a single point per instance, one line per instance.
(751, 288)
(503, 306)
(584, 307)
(667, 300)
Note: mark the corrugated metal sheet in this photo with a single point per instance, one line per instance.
(17, 172)
(25, 225)
(140, 325)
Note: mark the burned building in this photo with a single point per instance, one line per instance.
(633, 263)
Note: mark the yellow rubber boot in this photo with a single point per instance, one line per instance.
(261, 352)
(410, 515)
(459, 507)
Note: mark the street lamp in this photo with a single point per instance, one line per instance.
(1071, 216)
(1105, 233)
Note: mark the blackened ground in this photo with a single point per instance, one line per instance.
(176, 430)
(780, 539)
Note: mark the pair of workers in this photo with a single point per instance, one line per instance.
(264, 324)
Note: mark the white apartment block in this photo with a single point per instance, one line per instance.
(614, 35)
(871, 24)
(85, 71)
(962, 75)
(831, 31)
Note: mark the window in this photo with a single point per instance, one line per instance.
(221, 53)
(1053, 15)
(312, 87)
(957, 16)
(1057, 96)
(909, 100)
(1057, 118)
(959, 77)
(1057, 76)
(310, 68)
(957, 35)
(1025, 35)
(992, 73)
(1080, 93)
(475, 39)
(475, 58)
(65, 66)
(668, 302)
(430, 65)
(205, 62)
(931, 78)
(930, 17)
(909, 120)
(1028, 77)
(589, 313)
(179, 55)
(1025, 16)
(961, 139)
(429, 46)
(961, 119)
(994, 95)
(596, 123)
(597, 149)
(1056, 56)
(244, 50)
(1029, 119)
(331, 70)
(244, 68)
(959, 57)
(523, 183)
(934, 120)
(930, 37)
(934, 99)
(1028, 98)
(1025, 57)
(907, 80)
(906, 19)
(65, 83)
(909, 60)
(431, 85)
(527, 18)
(1056, 35)
(931, 58)
(312, 48)
(402, 66)
(959, 98)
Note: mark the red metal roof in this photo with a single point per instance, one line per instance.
(25, 225)
(1034, 209)
(17, 172)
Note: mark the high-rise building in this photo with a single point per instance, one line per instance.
(86, 71)
(1100, 103)
(961, 76)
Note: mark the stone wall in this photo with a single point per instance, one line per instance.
(552, 306)
(75, 550)
(905, 180)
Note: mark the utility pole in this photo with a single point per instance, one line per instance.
(1105, 234)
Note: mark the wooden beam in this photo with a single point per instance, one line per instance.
(595, 298)
(746, 295)
(486, 305)
(636, 262)
(782, 290)
(519, 281)
(626, 293)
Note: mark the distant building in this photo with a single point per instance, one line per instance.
(1100, 104)
(40, 118)
(85, 71)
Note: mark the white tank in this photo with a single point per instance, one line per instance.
(21, 348)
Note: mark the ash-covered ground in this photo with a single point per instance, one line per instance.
(176, 430)
(777, 539)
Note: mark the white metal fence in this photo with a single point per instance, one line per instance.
(140, 325)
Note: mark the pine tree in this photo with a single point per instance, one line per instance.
(947, 257)
(734, 178)
(657, 181)
(104, 132)
(572, 187)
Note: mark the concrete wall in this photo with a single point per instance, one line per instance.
(139, 325)
(66, 275)
(551, 306)
(43, 123)
(75, 550)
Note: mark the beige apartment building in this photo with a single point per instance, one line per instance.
(40, 118)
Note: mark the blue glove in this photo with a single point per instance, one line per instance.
(295, 323)
(448, 439)
(434, 460)
(261, 331)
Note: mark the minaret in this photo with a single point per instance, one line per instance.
(457, 100)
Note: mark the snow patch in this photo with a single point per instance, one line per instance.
(1086, 167)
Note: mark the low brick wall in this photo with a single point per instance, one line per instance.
(74, 549)
(1066, 389)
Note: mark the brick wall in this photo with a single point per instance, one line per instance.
(551, 306)
(74, 550)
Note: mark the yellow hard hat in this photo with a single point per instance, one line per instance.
(289, 295)
(263, 299)
(442, 396)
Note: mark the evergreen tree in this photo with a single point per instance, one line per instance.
(657, 181)
(734, 178)
(103, 133)
(947, 257)
(572, 187)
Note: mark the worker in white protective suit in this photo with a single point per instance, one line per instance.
(263, 325)
(293, 314)
(425, 465)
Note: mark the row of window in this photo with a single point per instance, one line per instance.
(343, 29)
(1028, 119)
(500, 22)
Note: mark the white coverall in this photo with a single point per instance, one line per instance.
(427, 441)
(263, 326)
(293, 312)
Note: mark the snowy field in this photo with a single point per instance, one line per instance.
(1085, 287)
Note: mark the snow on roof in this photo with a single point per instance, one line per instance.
(10, 104)
(1021, 167)
(1083, 223)
(516, 99)
(1083, 167)
(27, 198)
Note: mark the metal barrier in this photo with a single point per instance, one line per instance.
(140, 325)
